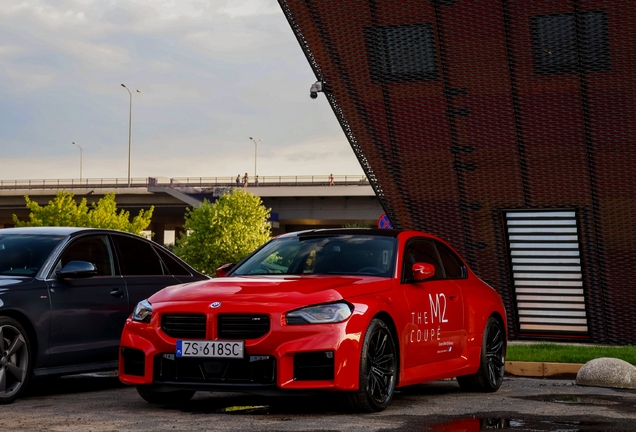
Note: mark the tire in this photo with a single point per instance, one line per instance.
(15, 360)
(164, 398)
(491, 368)
(378, 370)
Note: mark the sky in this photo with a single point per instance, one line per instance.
(212, 73)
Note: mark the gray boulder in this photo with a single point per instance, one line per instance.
(607, 372)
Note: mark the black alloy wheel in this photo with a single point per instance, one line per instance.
(491, 370)
(495, 353)
(15, 359)
(378, 370)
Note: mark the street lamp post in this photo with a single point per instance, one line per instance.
(255, 153)
(130, 128)
(80, 147)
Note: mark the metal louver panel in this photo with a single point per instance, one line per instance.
(546, 271)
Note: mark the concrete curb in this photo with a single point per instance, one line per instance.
(543, 369)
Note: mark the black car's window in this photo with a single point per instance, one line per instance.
(421, 250)
(340, 254)
(24, 254)
(136, 257)
(174, 267)
(94, 249)
(453, 266)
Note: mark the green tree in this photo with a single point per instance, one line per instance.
(225, 231)
(63, 210)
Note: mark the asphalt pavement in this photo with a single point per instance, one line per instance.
(100, 403)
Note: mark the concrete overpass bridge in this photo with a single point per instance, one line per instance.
(299, 202)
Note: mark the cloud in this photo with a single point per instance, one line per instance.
(212, 73)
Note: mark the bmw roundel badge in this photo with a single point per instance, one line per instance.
(215, 305)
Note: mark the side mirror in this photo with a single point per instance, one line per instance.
(423, 271)
(76, 270)
(224, 270)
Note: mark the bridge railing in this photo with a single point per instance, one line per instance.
(203, 182)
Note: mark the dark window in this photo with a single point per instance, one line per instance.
(453, 266)
(136, 257)
(556, 48)
(23, 255)
(323, 254)
(421, 251)
(402, 53)
(94, 249)
(174, 266)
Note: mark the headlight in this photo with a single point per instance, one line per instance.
(143, 311)
(320, 314)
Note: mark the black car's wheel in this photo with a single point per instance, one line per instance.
(15, 359)
(166, 398)
(378, 370)
(491, 369)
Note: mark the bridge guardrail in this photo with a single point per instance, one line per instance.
(202, 182)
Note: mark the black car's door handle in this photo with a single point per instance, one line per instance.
(117, 293)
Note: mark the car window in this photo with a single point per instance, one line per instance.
(341, 254)
(24, 255)
(137, 257)
(453, 266)
(174, 267)
(421, 251)
(94, 249)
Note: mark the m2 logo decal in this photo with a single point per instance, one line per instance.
(437, 312)
(436, 308)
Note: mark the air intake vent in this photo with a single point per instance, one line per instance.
(243, 326)
(546, 270)
(184, 326)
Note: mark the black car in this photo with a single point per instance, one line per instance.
(65, 294)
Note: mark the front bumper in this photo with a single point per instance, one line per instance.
(288, 358)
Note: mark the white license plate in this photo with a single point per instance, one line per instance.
(214, 349)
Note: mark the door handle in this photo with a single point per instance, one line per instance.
(117, 293)
(452, 296)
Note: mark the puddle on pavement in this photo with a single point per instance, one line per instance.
(530, 424)
(582, 399)
(466, 424)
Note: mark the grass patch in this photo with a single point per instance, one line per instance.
(551, 352)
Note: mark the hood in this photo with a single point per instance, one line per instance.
(9, 281)
(298, 290)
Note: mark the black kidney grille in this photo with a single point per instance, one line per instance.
(242, 326)
(184, 326)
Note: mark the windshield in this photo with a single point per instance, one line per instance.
(24, 255)
(341, 254)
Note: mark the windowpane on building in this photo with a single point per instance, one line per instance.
(556, 47)
(596, 56)
(402, 53)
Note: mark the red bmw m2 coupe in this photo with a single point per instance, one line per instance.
(354, 311)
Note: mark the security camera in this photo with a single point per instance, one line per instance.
(315, 89)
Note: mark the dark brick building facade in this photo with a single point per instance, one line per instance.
(507, 128)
